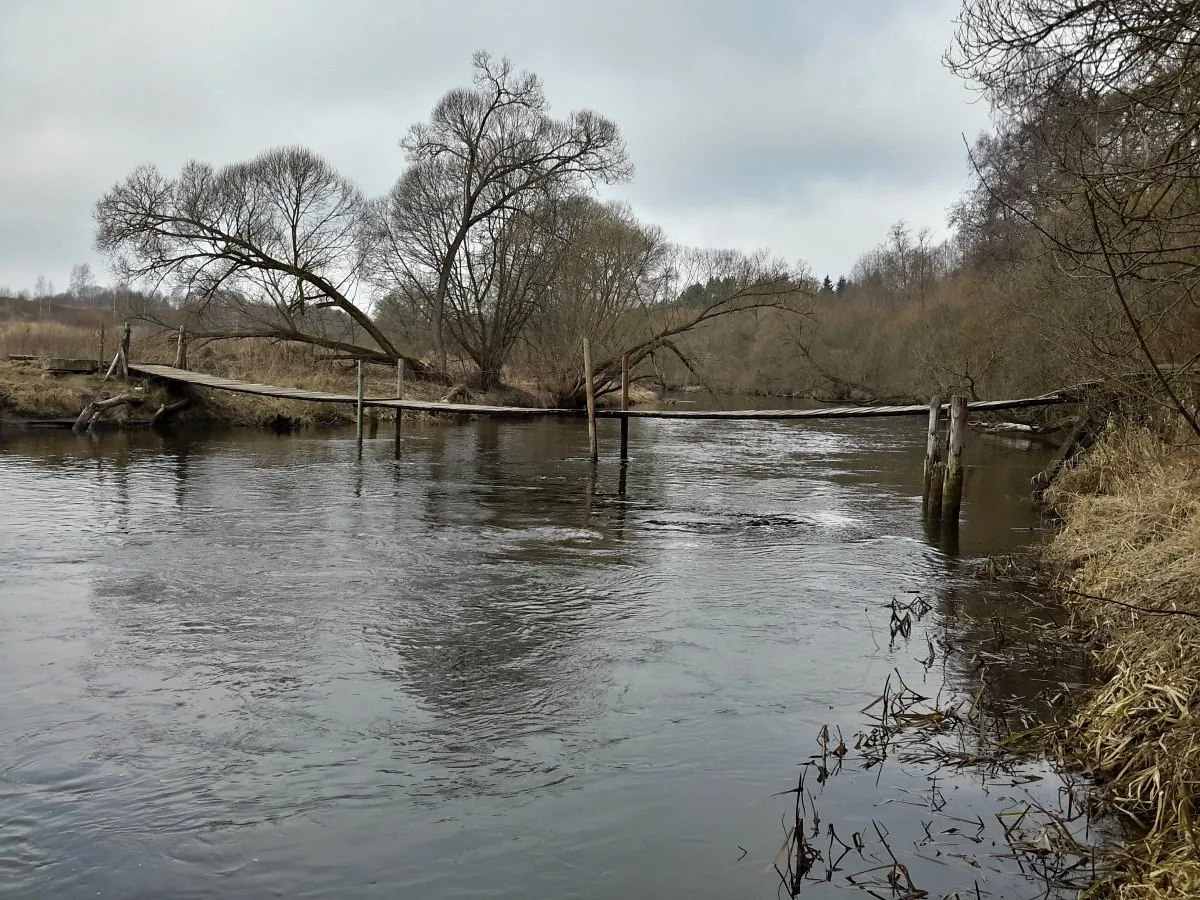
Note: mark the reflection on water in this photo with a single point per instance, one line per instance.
(246, 664)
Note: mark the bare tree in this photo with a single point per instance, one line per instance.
(644, 318)
(485, 152)
(83, 284)
(1109, 93)
(262, 249)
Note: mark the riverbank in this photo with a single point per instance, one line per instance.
(1127, 559)
(30, 395)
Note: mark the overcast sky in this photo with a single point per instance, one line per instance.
(806, 127)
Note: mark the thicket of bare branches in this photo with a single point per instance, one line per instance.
(1098, 104)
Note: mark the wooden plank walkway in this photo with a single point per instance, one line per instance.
(269, 390)
(833, 412)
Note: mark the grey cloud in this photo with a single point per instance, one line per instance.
(805, 126)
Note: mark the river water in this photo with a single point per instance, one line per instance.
(250, 665)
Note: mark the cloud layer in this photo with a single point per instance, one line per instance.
(803, 127)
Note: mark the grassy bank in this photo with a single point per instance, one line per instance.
(28, 392)
(1128, 555)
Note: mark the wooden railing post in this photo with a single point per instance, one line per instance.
(399, 396)
(126, 346)
(590, 387)
(358, 409)
(120, 363)
(624, 408)
(181, 349)
(952, 492)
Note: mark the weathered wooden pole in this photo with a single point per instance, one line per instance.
(590, 388)
(358, 409)
(181, 349)
(126, 344)
(624, 408)
(399, 393)
(933, 447)
(101, 356)
(952, 492)
(120, 363)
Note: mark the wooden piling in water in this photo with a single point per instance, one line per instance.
(937, 479)
(399, 393)
(953, 487)
(933, 447)
(624, 408)
(358, 409)
(590, 388)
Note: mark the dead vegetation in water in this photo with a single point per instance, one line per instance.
(944, 736)
(1129, 553)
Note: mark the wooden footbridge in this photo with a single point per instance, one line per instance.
(943, 480)
(199, 379)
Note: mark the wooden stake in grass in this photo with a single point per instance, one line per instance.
(120, 363)
(593, 445)
(181, 349)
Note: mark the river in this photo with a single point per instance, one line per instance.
(250, 665)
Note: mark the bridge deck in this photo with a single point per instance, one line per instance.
(834, 412)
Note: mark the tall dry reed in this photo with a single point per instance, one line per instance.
(1130, 556)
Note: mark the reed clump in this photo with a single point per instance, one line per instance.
(1129, 554)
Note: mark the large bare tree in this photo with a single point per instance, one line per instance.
(487, 152)
(268, 248)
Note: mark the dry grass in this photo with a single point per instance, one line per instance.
(26, 392)
(1131, 514)
(54, 339)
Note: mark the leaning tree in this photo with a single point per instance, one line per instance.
(268, 248)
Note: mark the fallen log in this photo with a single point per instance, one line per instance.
(167, 410)
(95, 410)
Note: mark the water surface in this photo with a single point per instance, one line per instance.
(252, 665)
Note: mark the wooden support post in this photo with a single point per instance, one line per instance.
(937, 479)
(358, 409)
(120, 363)
(952, 492)
(399, 394)
(126, 343)
(181, 349)
(590, 387)
(624, 408)
(101, 356)
(933, 447)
